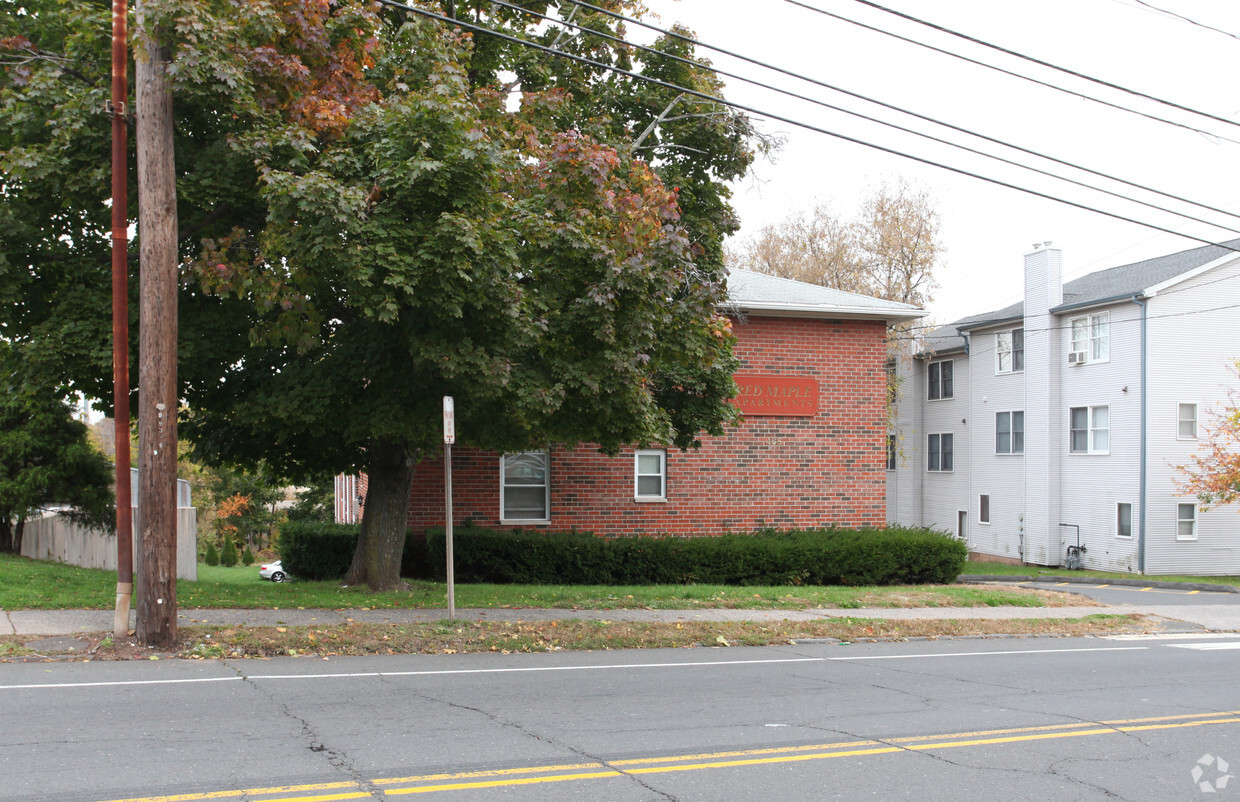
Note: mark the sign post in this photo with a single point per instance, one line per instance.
(449, 437)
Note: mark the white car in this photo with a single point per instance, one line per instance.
(273, 571)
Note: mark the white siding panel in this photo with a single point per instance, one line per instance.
(1000, 476)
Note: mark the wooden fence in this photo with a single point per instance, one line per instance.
(55, 538)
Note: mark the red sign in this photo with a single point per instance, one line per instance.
(776, 395)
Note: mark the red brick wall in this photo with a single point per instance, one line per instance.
(771, 471)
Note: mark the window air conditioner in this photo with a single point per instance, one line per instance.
(1076, 357)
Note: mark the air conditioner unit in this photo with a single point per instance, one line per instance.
(1076, 357)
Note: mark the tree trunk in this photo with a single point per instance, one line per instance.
(382, 540)
(157, 366)
(19, 532)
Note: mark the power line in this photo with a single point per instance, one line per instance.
(1028, 78)
(789, 121)
(1169, 13)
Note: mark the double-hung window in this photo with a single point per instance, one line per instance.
(1089, 430)
(1186, 522)
(1010, 432)
(650, 475)
(939, 453)
(1091, 336)
(525, 486)
(1010, 351)
(940, 380)
(1187, 422)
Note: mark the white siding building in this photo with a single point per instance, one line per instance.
(1066, 415)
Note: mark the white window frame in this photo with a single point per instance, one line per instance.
(1091, 336)
(892, 453)
(1180, 420)
(1180, 519)
(983, 509)
(1119, 533)
(1092, 430)
(638, 495)
(1006, 346)
(930, 452)
(1011, 431)
(504, 517)
(932, 383)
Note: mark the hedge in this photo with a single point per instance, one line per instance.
(323, 551)
(830, 556)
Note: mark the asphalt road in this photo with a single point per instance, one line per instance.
(1036, 718)
(1141, 596)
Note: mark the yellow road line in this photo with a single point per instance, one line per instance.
(496, 778)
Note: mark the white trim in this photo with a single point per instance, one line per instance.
(980, 520)
(1090, 428)
(503, 519)
(1011, 432)
(940, 469)
(1196, 420)
(1150, 292)
(1179, 520)
(1011, 351)
(941, 362)
(1119, 504)
(637, 474)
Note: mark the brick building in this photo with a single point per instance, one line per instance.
(810, 451)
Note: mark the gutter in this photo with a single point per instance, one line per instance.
(1144, 434)
(1094, 302)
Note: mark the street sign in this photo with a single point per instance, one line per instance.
(449, 420)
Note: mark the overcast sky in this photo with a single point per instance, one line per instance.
(988, 228)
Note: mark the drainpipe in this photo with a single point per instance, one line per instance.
(1144, 401)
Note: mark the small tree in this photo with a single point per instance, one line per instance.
(228, 556)
(247, 556)
(1214, 475)
(213, 556)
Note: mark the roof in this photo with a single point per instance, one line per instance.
(760, 294)
(1114, 283)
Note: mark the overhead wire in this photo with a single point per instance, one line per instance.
(790, 121)
(1189, 20)
(1013, 73)
(882, 104)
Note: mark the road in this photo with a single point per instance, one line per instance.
(1010, 718)
(1141, 595)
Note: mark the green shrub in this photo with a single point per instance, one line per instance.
(324, 551)
(213, 556)
(228, 555)
(247, 556)
(828, 556)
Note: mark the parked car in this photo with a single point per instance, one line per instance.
(273, 571)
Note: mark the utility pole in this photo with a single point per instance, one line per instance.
(120, 318)
(157, 366)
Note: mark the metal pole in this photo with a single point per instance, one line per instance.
(447, 489)
(120, 320)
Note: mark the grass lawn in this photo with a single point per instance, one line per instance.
(999, 569)
(30, 585)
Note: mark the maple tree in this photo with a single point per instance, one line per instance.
(1213, 475)
(376, 210)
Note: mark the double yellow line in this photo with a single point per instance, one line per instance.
(593, 770)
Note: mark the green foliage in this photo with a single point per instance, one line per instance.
(890, 556)
(228, 554)
(316, 550)
(46, 460)
(314, 501)
(247, 557)
(213, 556)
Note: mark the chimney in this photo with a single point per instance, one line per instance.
(1043, 416)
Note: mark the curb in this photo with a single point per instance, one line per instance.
(1095, 580)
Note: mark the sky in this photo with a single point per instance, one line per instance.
(988, 228)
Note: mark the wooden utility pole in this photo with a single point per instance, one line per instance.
(157, 365)
(120, 318)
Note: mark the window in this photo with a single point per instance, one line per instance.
(891, 452)
(1089, 430)
(1010, 432)
(1123, 520)
(650, 475)
(940, 380)
(1187, 422)
(983, 509)
(939, 453)
(1091, 336)
(524, 489)
(1186, 522)
(1010, 351)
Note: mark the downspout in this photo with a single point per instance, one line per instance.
(1144, 402)
(968, 502)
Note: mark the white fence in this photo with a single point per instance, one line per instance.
(55, 538)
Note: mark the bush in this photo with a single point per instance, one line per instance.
(228, 556)
(829, 556)
(213, 556)
(247, 556)
(324, 551)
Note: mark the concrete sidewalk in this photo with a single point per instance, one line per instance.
(1210, 617)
